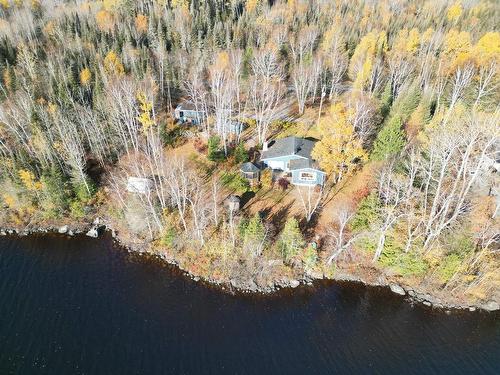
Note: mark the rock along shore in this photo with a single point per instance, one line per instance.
(413, 295)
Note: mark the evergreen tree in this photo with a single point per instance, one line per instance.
(367, 214)
(214, 152)
(240, 154)
(254, 231)
(54, 200)
(390, 140)
(291, 240)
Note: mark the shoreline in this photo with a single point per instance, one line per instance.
(411, 294)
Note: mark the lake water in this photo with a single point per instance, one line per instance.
(85, 306)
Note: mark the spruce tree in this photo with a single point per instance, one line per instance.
(390, 140)
(291, 240)
(367, 214)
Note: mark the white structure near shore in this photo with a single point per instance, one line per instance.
(139, 185)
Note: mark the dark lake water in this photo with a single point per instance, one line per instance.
(84, 306)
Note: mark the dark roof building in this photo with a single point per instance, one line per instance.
(293, 155)
(289, 146)
(248, 168)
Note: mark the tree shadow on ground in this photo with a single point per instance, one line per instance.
(331, 192)
(308, 227)
(245, 198)
(264, 214)
(280, 217)
(94, 170)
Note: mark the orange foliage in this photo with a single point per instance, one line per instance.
(105, 20)
(141, 23)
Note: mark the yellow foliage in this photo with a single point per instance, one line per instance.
(85, 76)
(35, 4)
(416, 121)
(7, 79)
(427, 35)
(362, 58)
(222, 61)
(454, 118)
(183, 4)
(105, 20)
(251, 5)
(9, 200)
(363, 75)
(59, 147)
(145, 116)
(141, 23)
(413, 41)
(111, 5)
(457, 48)
(5, 4)
(454, 12)
(49, 28)
(339, 150)
(113, 64)
(29, 181)
(487, 48)
(331, 36)
(52, 108)
(456, 42)
(85, 6)
(481, 7)
(407, 42)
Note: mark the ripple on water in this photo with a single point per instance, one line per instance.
(83, 306)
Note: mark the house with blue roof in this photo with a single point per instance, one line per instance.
(292, 156)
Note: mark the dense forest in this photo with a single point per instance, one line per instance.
(402, 96)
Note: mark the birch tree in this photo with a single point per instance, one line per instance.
(266, 90)
(306, 67)
(310, 197)
(341, 239)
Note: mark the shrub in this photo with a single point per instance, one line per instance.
(235, 181)
(171, 137)
(283, 183)
(360, 194)
(168, 237)
(240, 154)
(84, 191)
(266, 178)
(77, 209)
(449, 266)
(461, 246)
(283, 126)
(199, 145)
(309, 258)
(406, 264)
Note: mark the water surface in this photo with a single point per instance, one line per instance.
(84, 306)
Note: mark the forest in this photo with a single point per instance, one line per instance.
(402, 98)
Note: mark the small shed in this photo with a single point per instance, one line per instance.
(233, 203)
(250, 171)
(139, 185)
(187, 112)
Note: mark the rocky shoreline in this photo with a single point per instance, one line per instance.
(412, 295)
